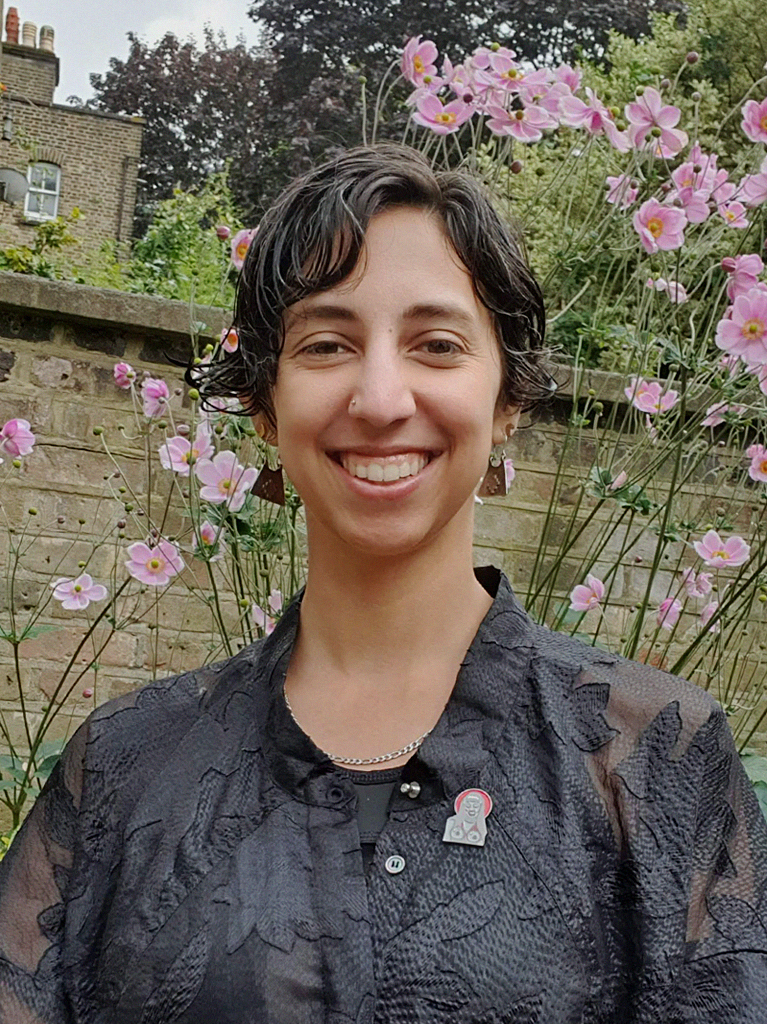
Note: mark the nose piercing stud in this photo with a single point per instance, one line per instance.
(353, 401)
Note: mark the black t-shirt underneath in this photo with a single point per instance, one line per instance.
(374, 790)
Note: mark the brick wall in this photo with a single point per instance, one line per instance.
(58, 345)
(28, 72)
(98, 154)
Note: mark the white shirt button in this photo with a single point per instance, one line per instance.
(395, 864)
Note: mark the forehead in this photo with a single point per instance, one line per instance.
(407, 268)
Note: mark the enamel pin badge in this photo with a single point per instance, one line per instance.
(467, 825)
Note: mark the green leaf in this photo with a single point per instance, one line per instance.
(756, 767)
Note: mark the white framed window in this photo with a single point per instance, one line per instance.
(42, 200)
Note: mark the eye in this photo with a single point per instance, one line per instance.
(441, 347)
(323, 348)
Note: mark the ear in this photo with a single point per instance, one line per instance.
(505, 422)
(264, 429)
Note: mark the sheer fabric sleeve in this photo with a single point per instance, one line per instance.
(33, 884)
(694, 846)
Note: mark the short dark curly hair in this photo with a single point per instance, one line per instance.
(311, 240)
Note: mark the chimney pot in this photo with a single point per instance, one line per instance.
(46, 38)
(12, 26)
(29, 34)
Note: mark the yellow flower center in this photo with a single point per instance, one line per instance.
(446, 117)
(224, 485)
(729, 215)
(77, 588)
(519, 114)
(418, 64)
(753, 328)
(763, 466)
(655, 226)
(512, 74)
(154, 564)
(721, 553)
(242, 250)
(763, 123)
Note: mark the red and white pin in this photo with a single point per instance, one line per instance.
(467, 825)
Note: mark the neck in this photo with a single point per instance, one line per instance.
(389, 620)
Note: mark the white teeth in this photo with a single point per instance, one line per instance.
(385, 470)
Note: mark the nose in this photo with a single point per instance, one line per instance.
(383, 392)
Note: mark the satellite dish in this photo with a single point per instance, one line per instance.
(13, 185)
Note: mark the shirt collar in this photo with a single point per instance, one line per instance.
(469, 728)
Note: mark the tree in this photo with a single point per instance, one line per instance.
(219, 105)
(203, 108)
(315, 37)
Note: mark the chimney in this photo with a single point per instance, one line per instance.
(12, 26)
(46, 39)
(29, 34)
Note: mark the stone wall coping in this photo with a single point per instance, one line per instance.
(68, 108)
(141, 314)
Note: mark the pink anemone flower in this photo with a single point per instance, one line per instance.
(124, 375)
(719, 553)
(733, 214)
(225, 480)
(697, 584)
(418, 60)
(154, 396)
(754, 122)
(620, 190)
(78, 593)
(240, 244)
(753, 187)
(669, 612)
(525, 125)
(743, 271)
(758, 468)
(744, 332)
(594, 117)
(587, 595)
(647, 397)
(16, 438)
(262, 618)
(443, 118)
(154, 566)
(648, 112)
(659, 227)
(211, 539)
(707, 614)
(717, 413)
(178, 453)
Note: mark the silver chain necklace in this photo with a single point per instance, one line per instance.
(365, 760)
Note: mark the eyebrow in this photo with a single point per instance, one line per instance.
(418, 311)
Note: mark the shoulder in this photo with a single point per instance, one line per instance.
(630, 697)
(129, 739)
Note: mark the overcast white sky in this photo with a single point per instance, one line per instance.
(89, 32)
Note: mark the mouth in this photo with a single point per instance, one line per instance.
(383, 469)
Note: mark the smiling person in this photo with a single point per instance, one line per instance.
(410, 803)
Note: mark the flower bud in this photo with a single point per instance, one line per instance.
(128, 507)
(692, 57)
(666, 83)
(468, 98)
(516, 166)
(122, 490)
(729, 264)
(98, 431)
(223, 232)
(87, 693)
(182, 429)
(120, 524)
(16, 463)
(163, 424)
(362, 79)
(60, 520)
(427, 79)
(194, 394)
(32, 511)
(81, 565)
(696, 97)
(81, 522)
(639, 91)
(495, 47)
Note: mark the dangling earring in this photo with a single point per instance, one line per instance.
(494, 481)
(270, 483)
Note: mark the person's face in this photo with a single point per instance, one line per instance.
(386, 399)
(471, 806)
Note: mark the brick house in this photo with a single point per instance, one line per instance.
(71, 157)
